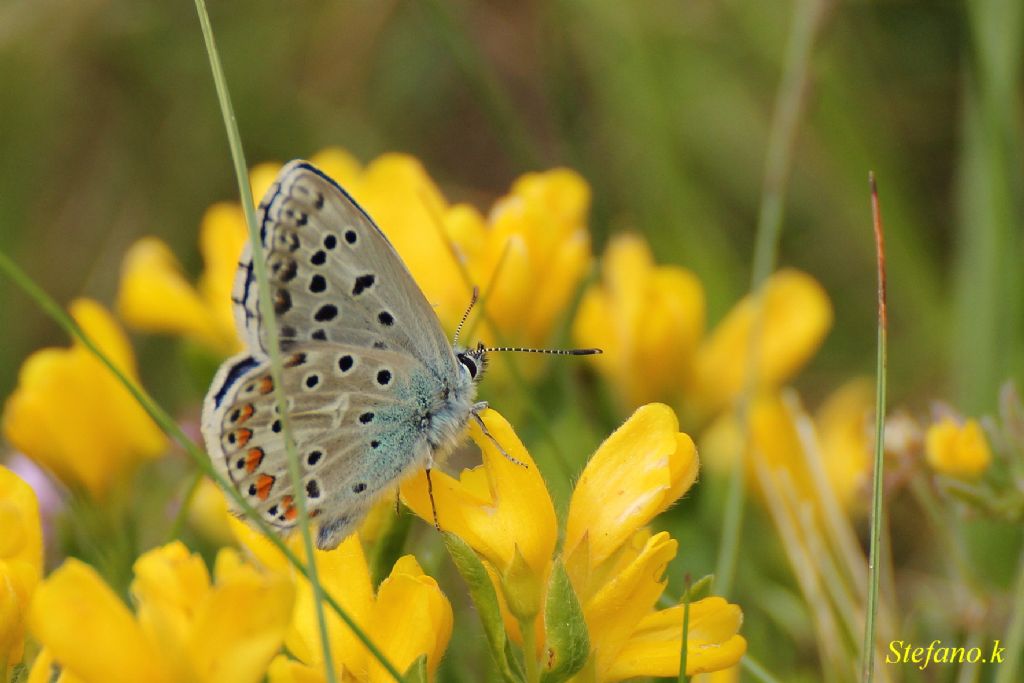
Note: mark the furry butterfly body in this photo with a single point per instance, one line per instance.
(374, 389)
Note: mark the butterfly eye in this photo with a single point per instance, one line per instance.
(468, 363)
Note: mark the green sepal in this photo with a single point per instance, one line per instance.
(699, 589)
(522, 588)
(19, 673)
(417, 671)
(567, 643)
(481, 590)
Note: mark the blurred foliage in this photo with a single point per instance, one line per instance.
(111, 130)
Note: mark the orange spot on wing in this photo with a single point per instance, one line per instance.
(242, 436)
(290, 511)
(253, 459)
(245, 413)
(264, 483)
(266, 385)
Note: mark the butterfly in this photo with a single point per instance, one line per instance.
(374, 390)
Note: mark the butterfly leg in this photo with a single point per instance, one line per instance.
(430, 494)
(483, 427)
(398, 502)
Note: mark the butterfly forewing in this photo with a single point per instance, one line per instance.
(333, 275)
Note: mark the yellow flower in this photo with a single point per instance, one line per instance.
(408, 617)
(530, 255)
(796, 315)
(635, 475)
(208, 513)
(154, 295)
(959, 451)
(648, 320)
(185, 627)
(840, 440)
(72, 416)
(502, 510)
(730, 675)
(711, 645)
(21, 561)
(844, 423)
(616, 567)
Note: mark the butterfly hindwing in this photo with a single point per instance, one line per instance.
(353, 415)
(333, 274)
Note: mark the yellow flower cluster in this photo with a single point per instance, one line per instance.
(615, 565)
(649, 320)
(406, 618)
(838, 441)
(21, 562)
(73, 417)
(185, 626)
(535, 234)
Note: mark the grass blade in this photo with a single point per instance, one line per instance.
(807, 18)
(881, 368)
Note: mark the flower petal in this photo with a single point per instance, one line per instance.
(170, 583)
(154, 295)
(647, 319)
(72, 416)
(241, 624)
(843, 427)
(412, 617)
(222, 237)
(617, 608)
(80, 620)
(712, 644)
(285, 670)
(641, 469)
(796, 316)
(514, 511)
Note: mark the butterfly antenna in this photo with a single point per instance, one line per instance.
(552, 352)
(472, 302)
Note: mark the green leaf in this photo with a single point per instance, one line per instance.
(19, 674)
(699, 589)
(417, 671)
(481, 590)
(568, 643)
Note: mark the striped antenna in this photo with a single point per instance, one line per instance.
(553, 352)
(472, 302)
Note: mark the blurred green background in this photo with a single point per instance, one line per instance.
(110, 130)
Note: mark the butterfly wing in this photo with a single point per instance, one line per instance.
(334, 276)
(354, 416)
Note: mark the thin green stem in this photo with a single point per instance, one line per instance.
(683, 649)
(272, 342)
(881, 373)
(807, 18)
(529, 630)
(1008, 670)
(174, 431)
